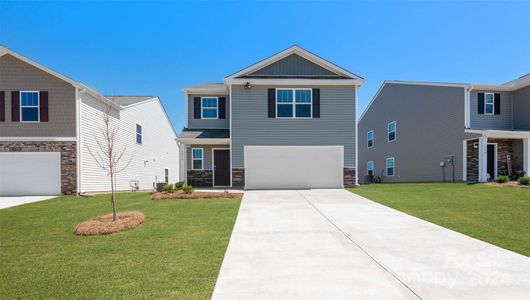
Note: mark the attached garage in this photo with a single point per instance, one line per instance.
(30, 173)
(293, 167)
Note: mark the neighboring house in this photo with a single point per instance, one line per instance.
(409, 128)
(49, 122)
(285, 122)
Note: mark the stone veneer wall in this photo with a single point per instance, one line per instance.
(504, 147)
(68, 158)
(238, 177)
(349, 177)
(472, 161)
(200, 178)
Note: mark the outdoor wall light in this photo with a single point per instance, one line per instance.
(248, 86)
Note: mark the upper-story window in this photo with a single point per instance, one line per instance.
(197, 158)
(489, 103)
(29, 106)
(392, 128)
(294, 103)
(209, 107)
(390, 166)
(138, 134)
(370, 138)
(370, 168)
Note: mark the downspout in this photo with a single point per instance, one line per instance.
(356, 139)
(78, 139)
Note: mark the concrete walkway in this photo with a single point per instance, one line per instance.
(11, 201)
(332, 244)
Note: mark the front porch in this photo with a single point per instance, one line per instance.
(497, 153)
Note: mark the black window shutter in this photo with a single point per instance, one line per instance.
(197, 107)
(222, 108)
(497, 104)
(316, 103)
(43, 98)
(2, 106)
(15, 106)
(480, 103)
(272, 103)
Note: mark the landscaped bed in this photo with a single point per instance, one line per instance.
(180, 194)
(103, 225)
(176, 253)
(496, 215)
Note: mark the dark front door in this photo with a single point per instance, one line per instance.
(491, 161)
(221, 167)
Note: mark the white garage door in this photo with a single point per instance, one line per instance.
(289, 167)
(30, 173)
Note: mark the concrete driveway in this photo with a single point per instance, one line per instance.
(11, 201)
(332, 244)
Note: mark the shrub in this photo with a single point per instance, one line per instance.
(179, 185)
(168, 188)
(188, 189)
(524, 181)
(502, 179)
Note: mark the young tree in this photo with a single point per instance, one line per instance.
(107, 154)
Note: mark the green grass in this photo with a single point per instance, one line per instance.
(497, 215)
(176, 253)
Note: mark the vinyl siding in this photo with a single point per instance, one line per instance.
(157, 152)
(502, 121)
(16, 75)
(521, 108)
(430, 126)
(207, 155)
(251, 126)
(208, 123)
(292, 65)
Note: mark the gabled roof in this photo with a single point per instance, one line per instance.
(129, 100)
(340, 74)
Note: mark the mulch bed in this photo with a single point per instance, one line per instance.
(103, 225)
(196, 195)
(512, 184)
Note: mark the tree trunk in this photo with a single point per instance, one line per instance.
(113, 197)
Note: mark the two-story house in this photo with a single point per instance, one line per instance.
(50, 127)
(287, 121)
(420, 131)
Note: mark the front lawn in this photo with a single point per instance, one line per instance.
(176, 253)
(497, 215)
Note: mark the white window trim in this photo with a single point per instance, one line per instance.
(201, 159)
(141, 134)
(216, 108)
(294, 102)
(368, 169)
(393, 166)
(492, 104)
(388, 131)
(20, 106)
(368, 139)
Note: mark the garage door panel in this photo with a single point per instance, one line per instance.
(30, 173)
(289, 167)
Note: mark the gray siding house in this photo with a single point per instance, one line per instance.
(410, 128)
(285, 122)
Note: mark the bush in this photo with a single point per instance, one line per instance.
(179, 185)
(524, 181)
(168, 188)
(188, 189)
(502, 179)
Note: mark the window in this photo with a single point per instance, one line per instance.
(489, 103)
(29, 106)
(209, 107)
(138, 134)
(392, 131)
(166, 174)
(294, 103)
(370, 168)
(197, 159)
(370, 137)
(390, 166)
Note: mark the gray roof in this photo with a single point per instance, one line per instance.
(204, 134)
(207, 85)
(128, 100)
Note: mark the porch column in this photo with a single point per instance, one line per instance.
(526, 156)
(483, 159)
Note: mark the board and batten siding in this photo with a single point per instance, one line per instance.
(251, 125)
(208, 123)
(157, 152)
(16, 75)
(503, 121)
(521, 109)
(293, 65)
(430, 126)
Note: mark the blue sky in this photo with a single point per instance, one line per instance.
(157, 48)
